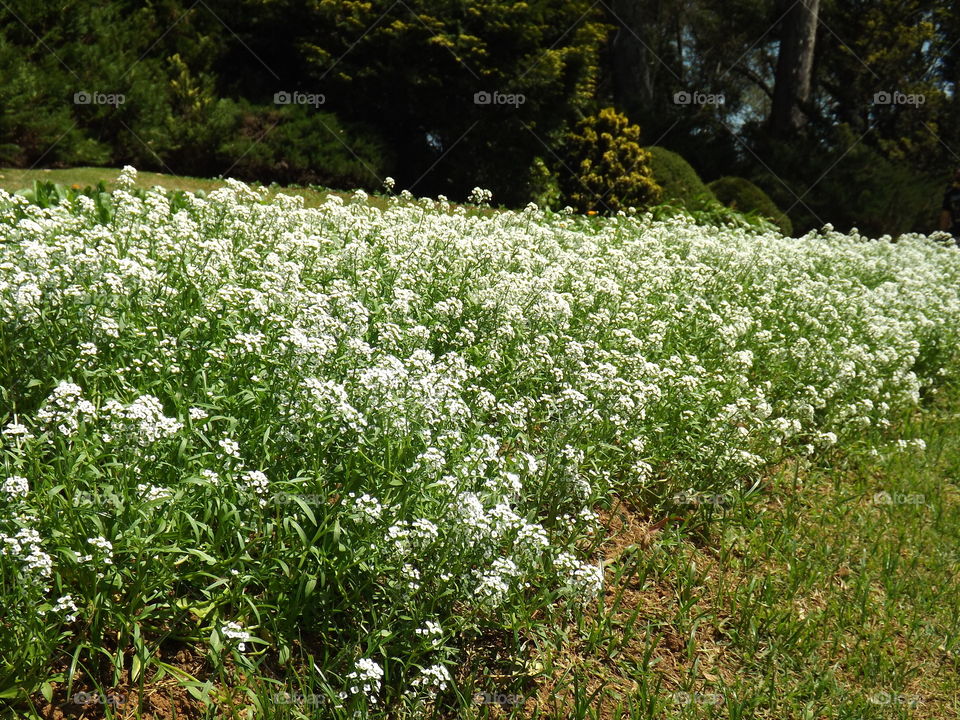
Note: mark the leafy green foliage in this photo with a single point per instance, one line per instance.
(863, 188)
(680, 182)
(742, 195)
(301, 145)
(606, 169)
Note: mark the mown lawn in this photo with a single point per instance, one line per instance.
(13, 179)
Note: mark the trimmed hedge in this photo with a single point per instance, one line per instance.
(742, 195)
(680, 182)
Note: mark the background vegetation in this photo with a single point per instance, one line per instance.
(841, 112)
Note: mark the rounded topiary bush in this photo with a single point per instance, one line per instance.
(608, 170)
(742, 195)
(680, 182)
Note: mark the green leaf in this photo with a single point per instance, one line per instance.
(200, 691)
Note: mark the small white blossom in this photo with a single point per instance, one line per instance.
(234, 632)
(366, 679)
(15, 487)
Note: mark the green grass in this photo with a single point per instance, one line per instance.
(830, 593)
(13, 179)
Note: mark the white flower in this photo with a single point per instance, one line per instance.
(66, 603)
(495, 584)
(365, 507)
(234, 631)
(582, 581)
(230, 447)
(479, 196)
(105, 547)
(198, 414)
(431, 629)
(65, 408)
(256, 482)
(365, 679)
(153, 492)
(15, 486)
(16, 429)
(433, 680)
(143, 420)
(127, 179)
(25, 545)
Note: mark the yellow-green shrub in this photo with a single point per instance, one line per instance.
(606, 168)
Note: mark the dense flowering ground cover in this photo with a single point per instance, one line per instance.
(329, 446)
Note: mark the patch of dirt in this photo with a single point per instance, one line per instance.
(607, 684)
(162, 699)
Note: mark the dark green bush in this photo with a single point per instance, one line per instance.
(680, 182)
(742, 195)
(302, 145)
(607, 169)
(863, 188)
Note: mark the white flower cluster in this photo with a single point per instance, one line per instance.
(479, 380)
(236, 634)
(15, 487)
(143, 420)
(413, 536)
(16, 430)
(230, 447)
(364, 507)
(256, 482)
(494, 585)
(431, 630)
(366, 679)
(104, 546)
(480, 196)
(432, 680)
(25, 546)
(67, 605)
(65, 408)
(583, 581)
(152, 493)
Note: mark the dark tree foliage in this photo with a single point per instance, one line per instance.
(842, 111)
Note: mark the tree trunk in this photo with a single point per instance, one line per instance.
(634, 66)
(794, 67)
